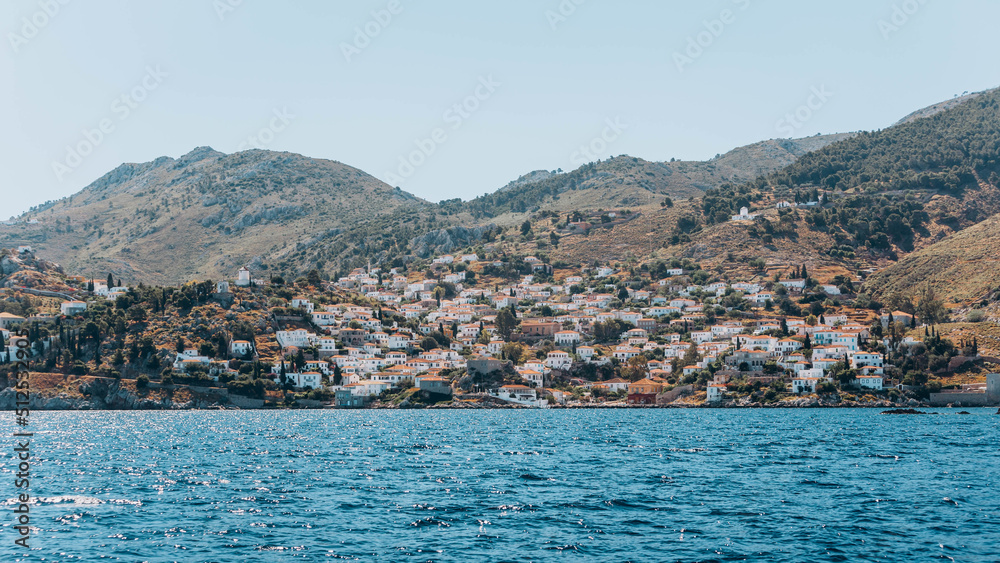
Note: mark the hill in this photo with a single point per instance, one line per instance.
(625, 181)
(961, 268)
(938, 107)
(884, 193)
(207, 213)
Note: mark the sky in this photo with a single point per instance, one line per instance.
(453, 99)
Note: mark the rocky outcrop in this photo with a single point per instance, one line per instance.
(109, 394)
(444, 241)
(9, 265)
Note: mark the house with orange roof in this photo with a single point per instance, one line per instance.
(643, 392)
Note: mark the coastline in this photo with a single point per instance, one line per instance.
(106, 394)
(121, 399)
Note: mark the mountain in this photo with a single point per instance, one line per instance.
(884, 193)
(529, 178)
(961, 268)
(201, 216)
(938, 107)
(205, 214)
(626, 181)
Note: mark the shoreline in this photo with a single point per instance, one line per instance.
(110, 395)
(218, 407)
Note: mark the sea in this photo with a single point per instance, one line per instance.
(795, 485)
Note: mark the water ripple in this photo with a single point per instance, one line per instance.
(602, 485)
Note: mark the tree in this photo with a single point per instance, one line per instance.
(137, 313)
(691, 357)
(313, 278)
(513, 351)
(930, 308)
(636, 368)
(506, 322)
(610, 330)
(206, 349)
(526, 228)
(428, 343)
(181, 344)
(111, 281)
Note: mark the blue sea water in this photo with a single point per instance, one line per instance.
(502, 485)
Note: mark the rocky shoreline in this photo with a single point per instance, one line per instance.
(104, 395)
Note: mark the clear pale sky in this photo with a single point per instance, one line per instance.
(557, 71)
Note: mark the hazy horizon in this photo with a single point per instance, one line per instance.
(452, 100)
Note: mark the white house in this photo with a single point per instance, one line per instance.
(744, 215)
(701, 336)
(558, 359)
(804, 384)
(300, 338)
(368, 387)
(794, 284)
(862, 359)
(243, 277)
(870, 381)
(308, 380)
(567, 337)
(534, 377)
(520, 394)
(188, 358)
(714, 392)
(70, 308)
(240, 347)
(303, 303)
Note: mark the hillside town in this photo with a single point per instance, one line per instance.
(514, 331)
